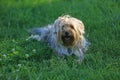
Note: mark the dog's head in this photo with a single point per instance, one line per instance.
(68, 30)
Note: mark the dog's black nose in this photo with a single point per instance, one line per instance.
(67, 33)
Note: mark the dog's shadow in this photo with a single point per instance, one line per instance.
(37, 51)
(44, 54)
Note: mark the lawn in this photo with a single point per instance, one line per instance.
(33, 60)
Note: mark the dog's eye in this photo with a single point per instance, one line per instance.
(67, 26)
(71, 26)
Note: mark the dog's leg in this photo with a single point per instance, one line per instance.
(38, 33)
(85, 45)
(36, 37)
(80, 55)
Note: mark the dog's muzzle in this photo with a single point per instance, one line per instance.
(67, 38)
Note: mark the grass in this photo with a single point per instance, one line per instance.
(32, 60)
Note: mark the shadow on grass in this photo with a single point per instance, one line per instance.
(37, 51)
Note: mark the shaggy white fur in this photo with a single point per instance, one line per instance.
(52, 36)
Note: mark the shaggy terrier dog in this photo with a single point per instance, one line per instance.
(65, 36)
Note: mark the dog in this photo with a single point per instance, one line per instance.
(65, 36)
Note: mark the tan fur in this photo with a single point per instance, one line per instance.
(65, 36)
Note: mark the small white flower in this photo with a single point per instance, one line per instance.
(17, 70)
(34, 50)
(13, 49)
(4, 55)
(27, 39)
(26, 55)
(19, 65)
(14, 41)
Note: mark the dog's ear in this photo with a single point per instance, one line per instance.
(81, 27)
(78, 25)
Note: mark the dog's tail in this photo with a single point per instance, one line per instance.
(34, 31)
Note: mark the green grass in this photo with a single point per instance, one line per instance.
(32, 60)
